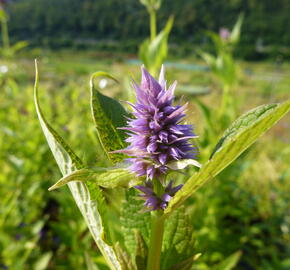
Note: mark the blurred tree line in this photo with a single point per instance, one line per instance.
(83, 23)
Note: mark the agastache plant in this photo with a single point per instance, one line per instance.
(161, 237)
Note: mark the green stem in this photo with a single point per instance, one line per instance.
(225, 99)
(5, 36)
(152, 24)
(157, 229)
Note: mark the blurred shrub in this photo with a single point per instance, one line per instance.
(127, 20)
(35, 232)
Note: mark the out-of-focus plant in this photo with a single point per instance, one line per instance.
(159, 145)
(153, 51)
(250, 230)
(7, 49)
(152, 7)
(30, 236)
(223, 65)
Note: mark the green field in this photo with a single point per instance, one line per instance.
(246, 209)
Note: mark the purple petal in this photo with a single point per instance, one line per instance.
(161, 79)
(148, 83)
(162, 158)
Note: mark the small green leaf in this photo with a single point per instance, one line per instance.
(237, 138)
(186, 264)
(141, 251)
(104, 177)
(90, 263)
(88, 203)
(134, 218)
(178, 243)
(108, 115)
(208, 58)
(43, 261)
(235, 34)
(124, 258)
(18, 46)
(229, 263)
(183, 163)
(3, 15)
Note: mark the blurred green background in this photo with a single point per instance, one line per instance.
(246, 209)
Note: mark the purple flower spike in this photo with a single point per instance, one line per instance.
(152, 201)
(156, 135)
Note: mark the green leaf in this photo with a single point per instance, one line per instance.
(141, 251)
(235, 34)
(107, 178)
(18, 46)
(124, 258)
(229, 263)
(209, 129)
(237, 138)
(208, 58)
(134, 218)
(68, 162)
(65, 157)
(143, 51)
(178, 243)
(3, 15)
(186, 264)
(43, 261)
(108, 115)
(153, 53)
(90, 263)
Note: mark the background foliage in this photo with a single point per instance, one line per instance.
(123, 24)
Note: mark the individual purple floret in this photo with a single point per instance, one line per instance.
(156, 135)
(224, 33)
(152, 201)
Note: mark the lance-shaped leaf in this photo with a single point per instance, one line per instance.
(134, 218)
(178, 243)
(68, 162)
(229, 263)
(108, 115)
(235, 34)
(90, 263)
(141, 251)
(107, 178)
(237, 138)
(124, 258)
(186, 264)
